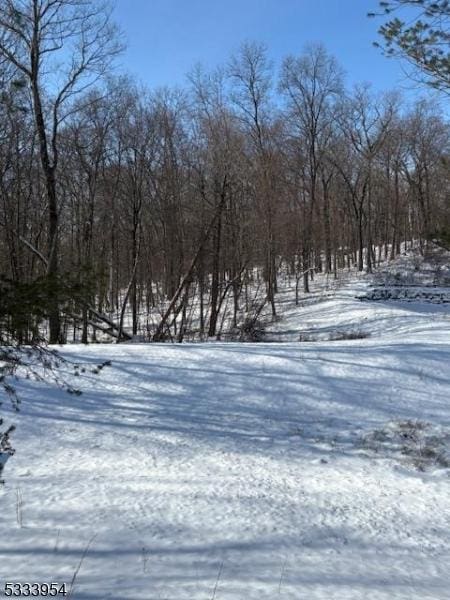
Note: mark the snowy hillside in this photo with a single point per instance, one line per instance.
(307, 470)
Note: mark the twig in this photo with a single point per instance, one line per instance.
(217, 581)
(19, 504)
(77, 570)
(144, 559)
(55, 549)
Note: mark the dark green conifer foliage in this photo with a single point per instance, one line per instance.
(421, 34)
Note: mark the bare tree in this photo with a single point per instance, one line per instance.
(365, 123)
(311, 84)
(250, 73)
(35, 37)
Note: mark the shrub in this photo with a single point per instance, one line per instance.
(412, 441)
(334, 336)
(251, 330)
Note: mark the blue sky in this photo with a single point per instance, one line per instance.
(166, 38)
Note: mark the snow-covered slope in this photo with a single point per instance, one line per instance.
(311, 470)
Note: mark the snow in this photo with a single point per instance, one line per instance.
(230, 471)
(3, 458)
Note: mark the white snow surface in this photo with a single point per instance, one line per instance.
(227, 471)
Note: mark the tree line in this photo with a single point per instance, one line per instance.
(125, 210)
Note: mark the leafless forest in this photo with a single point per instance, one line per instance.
(117, 202)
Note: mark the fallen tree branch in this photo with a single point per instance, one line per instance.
(158, 335)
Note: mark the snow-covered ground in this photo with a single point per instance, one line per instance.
(302, 470)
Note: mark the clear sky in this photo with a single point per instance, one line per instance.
(166, 38)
